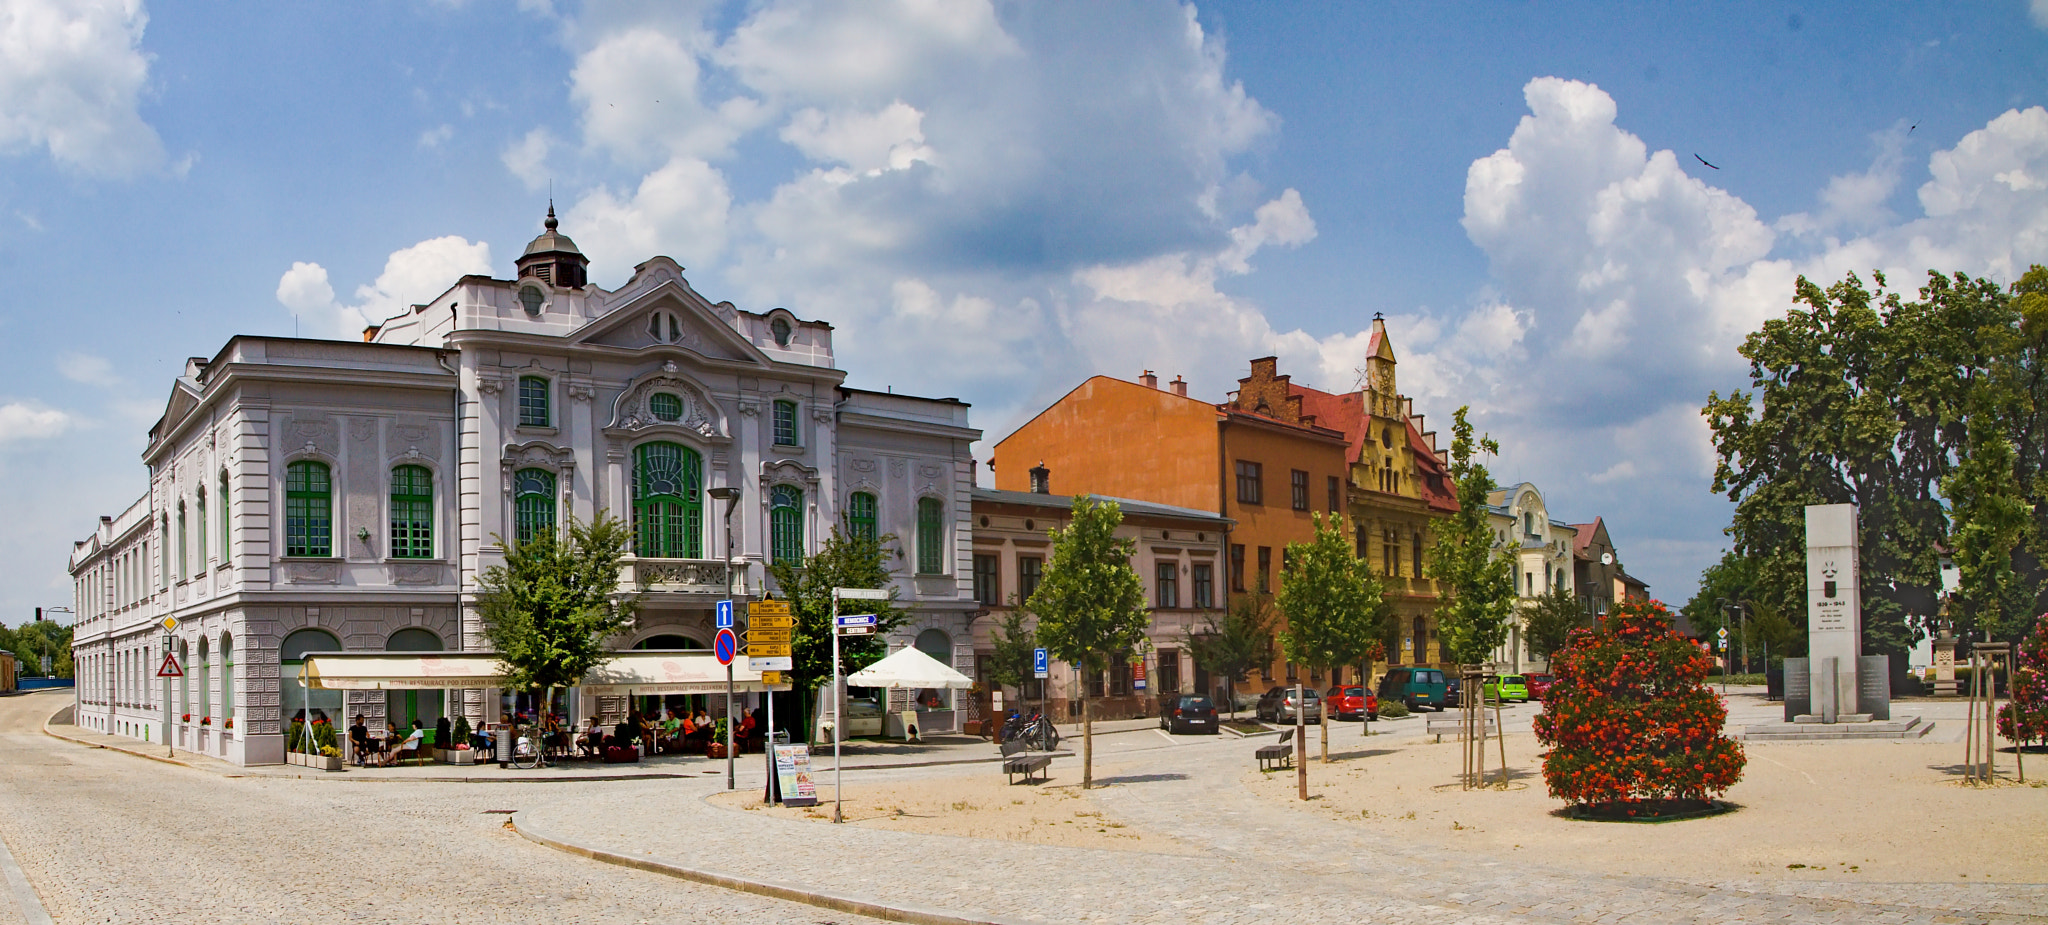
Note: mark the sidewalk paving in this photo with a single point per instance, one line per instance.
(1195, 793)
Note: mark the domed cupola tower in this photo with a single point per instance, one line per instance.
(553, 259)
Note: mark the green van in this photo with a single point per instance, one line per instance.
(1415, 687)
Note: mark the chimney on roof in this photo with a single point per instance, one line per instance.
(1041, 479)
(1150, 381)
(370, 333)
(1179, 386)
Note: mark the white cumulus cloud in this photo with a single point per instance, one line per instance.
(23, 421)
(411, 275)
(72, 73)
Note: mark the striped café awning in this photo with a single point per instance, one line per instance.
(642, 671)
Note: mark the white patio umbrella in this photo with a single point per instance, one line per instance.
(909, 667)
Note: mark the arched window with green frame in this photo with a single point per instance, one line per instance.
(226, 518)
(931, 536)
(786, 525)
(860, 516)
(668, 502)
(533, 504)
(534, 407)
(308, 510)
(412, 513)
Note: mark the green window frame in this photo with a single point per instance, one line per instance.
(227, 679)
(535, 407)
(199, 508)
(226, 547)
(785, 423)
(931, 534)
(533, 504)
(668, 501)
(308, 510)
(860, 516)
(786, 525)
(665, 407)
(412, 513)
(184, 545)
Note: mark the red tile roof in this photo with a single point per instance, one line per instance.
(1432, 474)
(1585, 537)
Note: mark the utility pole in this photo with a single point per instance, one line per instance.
(731, 497)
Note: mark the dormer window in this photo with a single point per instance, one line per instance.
(781, 330)
(664, 328)
(665, 407)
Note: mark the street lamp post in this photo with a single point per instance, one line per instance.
(732, 500)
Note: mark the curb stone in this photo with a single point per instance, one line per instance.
(24, 893)
(838, 902)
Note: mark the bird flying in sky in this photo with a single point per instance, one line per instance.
(1703, 161)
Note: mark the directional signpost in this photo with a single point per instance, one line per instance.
(838, 713)
(168, 670)
(770, 625)
(1723, 642)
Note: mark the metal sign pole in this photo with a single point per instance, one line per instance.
(170, 746)
(728, 726)
(838, 718)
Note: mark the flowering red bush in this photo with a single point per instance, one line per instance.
(2029, 692)
(1630, 720)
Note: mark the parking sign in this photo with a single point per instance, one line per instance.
(1040, 665)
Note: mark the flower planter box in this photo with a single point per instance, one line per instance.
(321, 762)
(714, 750)
(457, 756)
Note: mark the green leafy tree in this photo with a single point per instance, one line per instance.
(844, 560)
(1991, 523)
(1090, 604)
(1547, 624)
(35, 639)
(1010, 662)
(1334, 606)
(1475, 587)
(1862, 397)
(1731, 579)
(549, 609)
(1243, 641)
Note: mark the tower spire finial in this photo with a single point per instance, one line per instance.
(551, 223)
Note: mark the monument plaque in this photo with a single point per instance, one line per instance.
(1834, 613)
(1798, 689)
(1874, 687)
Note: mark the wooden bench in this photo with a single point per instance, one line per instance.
(1276, 756)
(1027, 764)
(1449, 725)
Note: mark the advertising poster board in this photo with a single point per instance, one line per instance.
(793, 775)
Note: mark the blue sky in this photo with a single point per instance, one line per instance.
(995, 200)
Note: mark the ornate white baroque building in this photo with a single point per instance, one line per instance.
(1541, 548)
(316, 496)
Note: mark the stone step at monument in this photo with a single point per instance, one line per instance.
(1904, 727)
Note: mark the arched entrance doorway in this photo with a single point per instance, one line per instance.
(407, 707)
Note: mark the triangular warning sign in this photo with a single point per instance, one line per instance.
(170, 667)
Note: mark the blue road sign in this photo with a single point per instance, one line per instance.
(725, 645)
(857, 619)
(1040, 664)
(725, 615)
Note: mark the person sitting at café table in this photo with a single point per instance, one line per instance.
(701, 724)
(412, 741)
(591, 741)
(627, 731)
(359, 739)
(672, 732)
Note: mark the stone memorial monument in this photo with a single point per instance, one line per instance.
(1834, 612)
(1836, 692)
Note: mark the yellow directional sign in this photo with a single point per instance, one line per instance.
(771, 621)
(771, 677)
(768, 608)
(758, 635)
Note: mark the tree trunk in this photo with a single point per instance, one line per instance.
(1087, 742)
(1300, 741)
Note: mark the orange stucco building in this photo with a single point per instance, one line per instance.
(1257, 459)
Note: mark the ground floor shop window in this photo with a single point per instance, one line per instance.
(295, 701)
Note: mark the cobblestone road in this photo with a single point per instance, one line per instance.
(107, 837)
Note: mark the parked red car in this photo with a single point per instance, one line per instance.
(1539, 685)
(1352, 702)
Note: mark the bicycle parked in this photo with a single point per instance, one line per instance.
(1034, 731)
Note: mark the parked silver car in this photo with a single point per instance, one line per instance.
(1277, 705)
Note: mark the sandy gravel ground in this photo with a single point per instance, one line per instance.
(1883, 810)
(981, 804)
